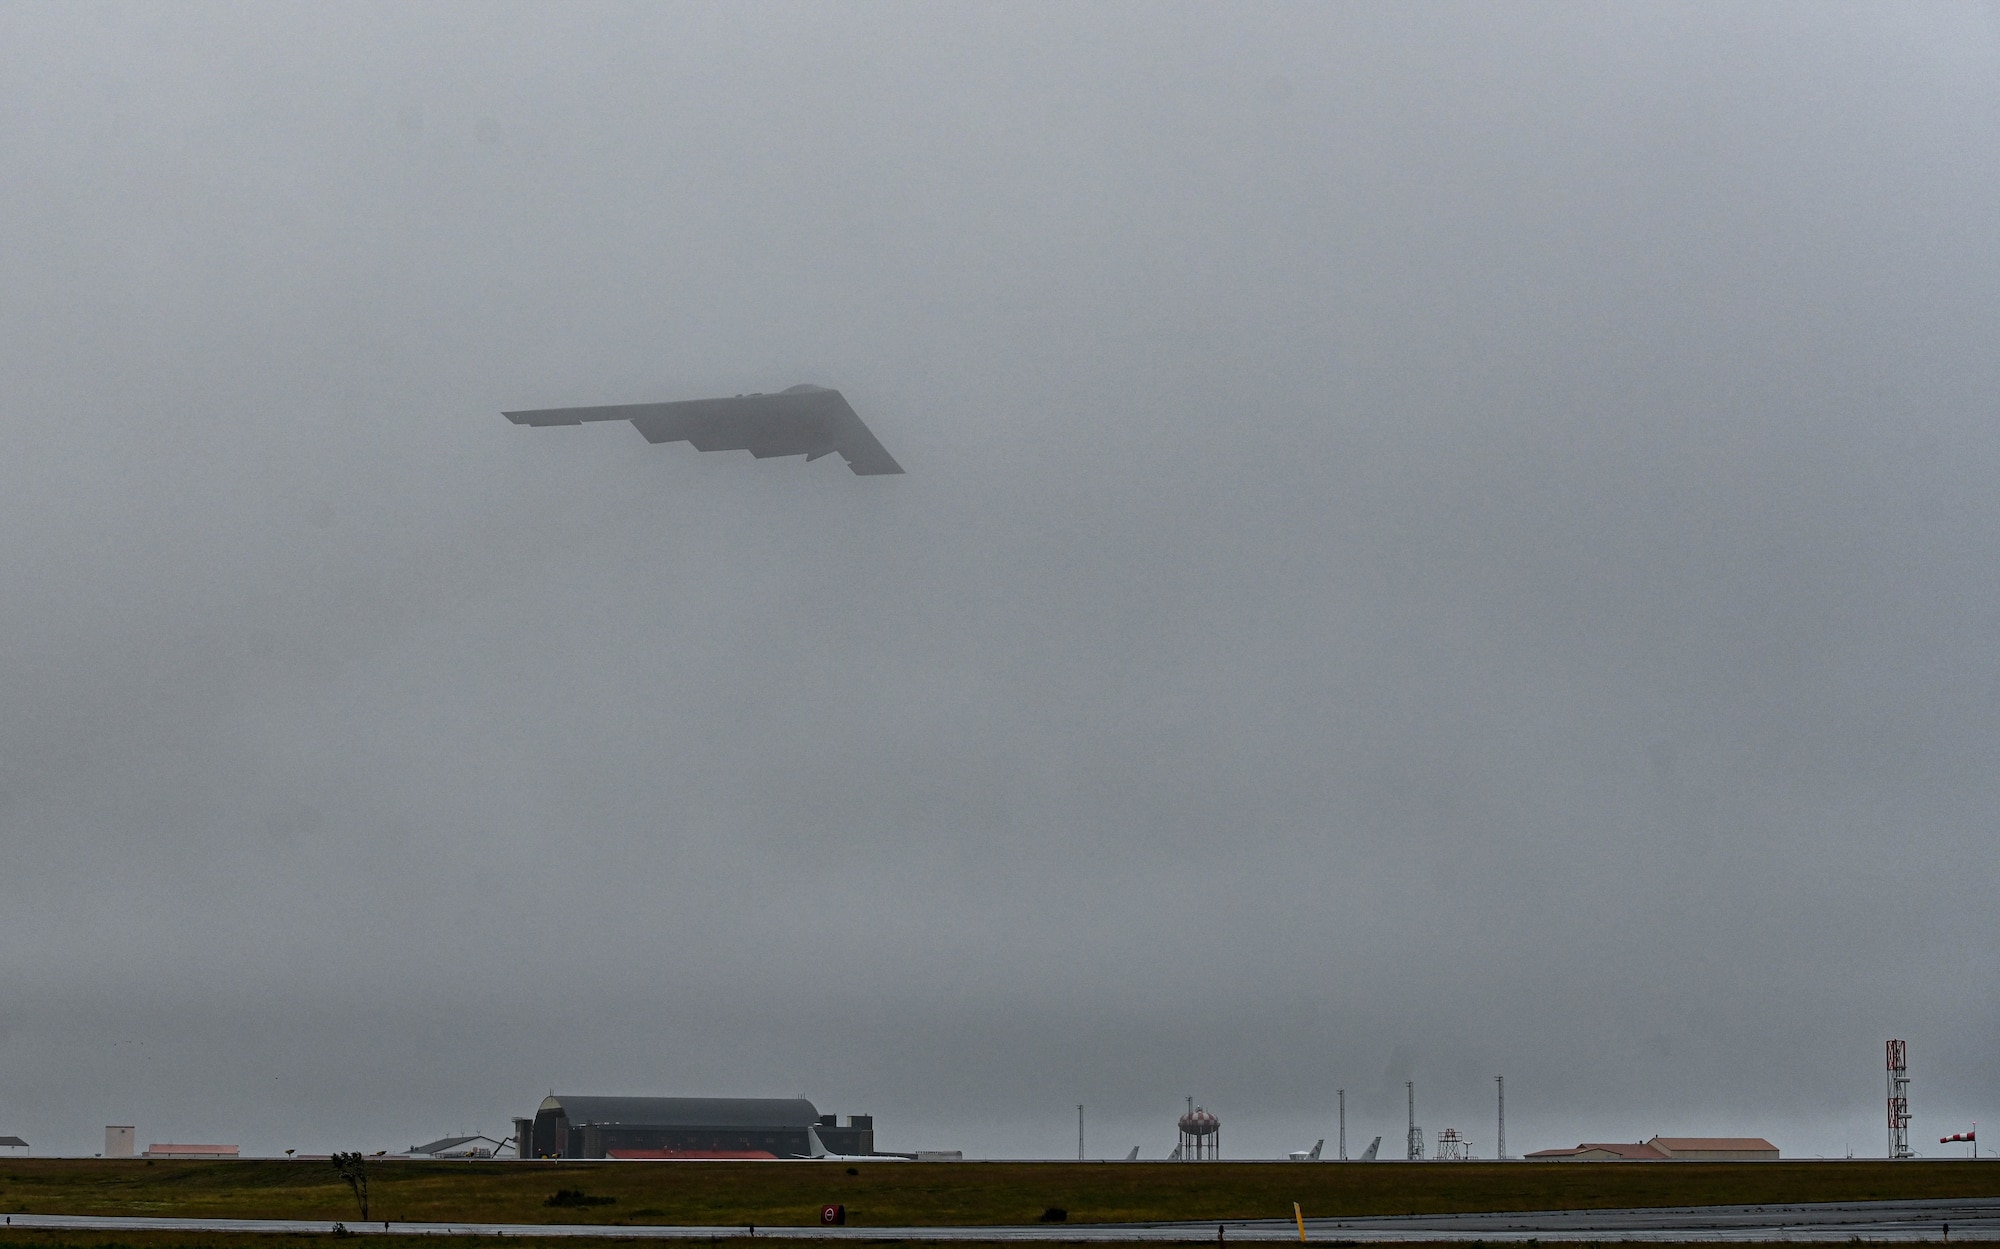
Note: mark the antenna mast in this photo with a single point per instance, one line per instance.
(1899, 1100)
(1500, 1149)
(1414, 1149)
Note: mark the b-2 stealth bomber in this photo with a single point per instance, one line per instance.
(806, 420)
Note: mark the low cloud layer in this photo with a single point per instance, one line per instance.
(1438, 542)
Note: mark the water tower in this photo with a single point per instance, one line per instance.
(1201, 1135)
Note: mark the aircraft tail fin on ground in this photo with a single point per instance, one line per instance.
(1134, 1155)
(1368, 1155)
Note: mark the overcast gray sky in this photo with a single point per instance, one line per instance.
(1440, 541)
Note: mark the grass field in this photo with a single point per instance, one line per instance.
(17, 1239)
(963, 1193)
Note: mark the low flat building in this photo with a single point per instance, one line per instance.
(1716, 1148)
(1600, 1151)
(191, 1151)
(1666, 1149)
(457, 1147)
(13, 1145)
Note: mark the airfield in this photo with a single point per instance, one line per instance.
(94, 1204)
(1829, 1222)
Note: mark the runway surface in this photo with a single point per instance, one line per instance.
(1968, 1219)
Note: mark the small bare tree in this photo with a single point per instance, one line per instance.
(354, 1169)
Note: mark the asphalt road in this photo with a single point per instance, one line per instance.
(1969, 1219)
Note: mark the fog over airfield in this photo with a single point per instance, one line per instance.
(1438, 541)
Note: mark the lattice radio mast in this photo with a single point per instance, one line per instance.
(1414, 1149)
(1899, 1100)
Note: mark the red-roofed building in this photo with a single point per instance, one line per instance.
(1716, 1148)
(1668, 1149)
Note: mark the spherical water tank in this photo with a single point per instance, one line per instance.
(1199, 1122)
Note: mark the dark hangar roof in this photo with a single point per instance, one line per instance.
(686, 1112)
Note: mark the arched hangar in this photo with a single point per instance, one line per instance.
(569, 1126)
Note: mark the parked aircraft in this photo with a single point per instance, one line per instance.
(1308, 1155)
(820, 1153)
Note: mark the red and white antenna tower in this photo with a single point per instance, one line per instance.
(1899, 1100)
